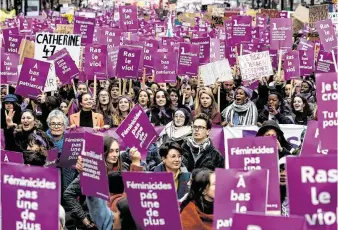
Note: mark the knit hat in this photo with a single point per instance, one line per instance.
(247, 91)
(267, 125)
(310, 84)
(10, 98)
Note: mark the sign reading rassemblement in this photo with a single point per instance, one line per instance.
(46, 44)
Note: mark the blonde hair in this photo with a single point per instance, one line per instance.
(213, 106)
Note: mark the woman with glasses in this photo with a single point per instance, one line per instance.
(104, 107)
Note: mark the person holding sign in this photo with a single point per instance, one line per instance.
(208, 106)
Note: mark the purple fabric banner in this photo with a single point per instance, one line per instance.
(327, 34)
(12, 45)
(258, 221)
(30, 197)
(128, 18)
(307, 62)
(312, 190)
(255, 153)
(204, 43)
(72, 147)
(94, 179)
(165, 65)
(325, 62)
(241, 29)
(9, 68)
(242, 192)
(32, 78)
(95, 62)
(280, 33)
(10, 156)
(138, 130)
(291, 65)
(128, 61)
(152, 200)
(188, 59)
(84, 27)
(327, 107)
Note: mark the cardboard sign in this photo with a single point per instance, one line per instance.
(188, 59)
(10, 156)
(291, 65)
(28, 203)
(242, 192)
(152, 200)
(46, 44)
(26, 50)
(72, 147)
(220, 70)
(255, 153)
(312, 190)
(137, 129)
(64, 29)
(318, 13)
(301, 14)
(255, 65)
(165, 65)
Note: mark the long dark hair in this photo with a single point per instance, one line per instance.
(168, 101)
(127, 221)
(138, 95)
(108, 141)
(198, 185)
(99, 109)
(306, 111)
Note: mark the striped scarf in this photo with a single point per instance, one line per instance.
(250, 117)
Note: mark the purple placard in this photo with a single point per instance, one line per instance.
(97, 35)
(215, 50)
(72, 147)
(110, 37)
(280, 33)
(326, 84)
(94, 179)
(291, 65)
(241, 29)
(128, 18)
(10, 156)
(25, 25)
(305, 45)
(84, 27)
(112, 60)
(32, 78)
(230, 54)
(242, 192)
(65, 67)
(204, 43)
(261, 21)
(31, 197)
(307, 62)
(165, 65)
(325, 62)
(137, 129)
(274, 58)
(222, 50)
(128, 61)
(9, 68)
(312, 190)
(149, 48)
(12, 45)
(327, 34)
(188, 59)
(52, 158)
(258, 221)
(255, 153)
(95, 62)
(158, 210)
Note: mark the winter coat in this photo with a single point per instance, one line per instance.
(281, 117)
(192, 218)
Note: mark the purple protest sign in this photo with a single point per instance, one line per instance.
(274, 58)
(305, 45)
(32, 78)
(291, 65)
(9, 68)
(52, 158)
(255, 153)
(128, 61)
(128, 18)
(215, 50)
(326, 84)
(94, 179)
(325, 62)
(230, 54)
(65, 67)
(165, 65)
(242, 192)
(12, 45)
(241, 29)
(149, 48)
(280, 33)
(204, 43)
(152, 200)
(312, 190)
(112, 54)
(257, 221)
(110, 37)
(10, 156)
(97, 35)
(188, 59)
(84, 27)
(95, 62)
(327, 34)
(9, 31)
(137, 129)
(249, 48)
(307, 62)
(261, 21)
(25, 24)
(26, 197)
(72, 147)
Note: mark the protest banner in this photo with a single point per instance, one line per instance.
(327, 34)
(325, 62)
(94, 179)
(138, 130)
(12, 45)
(241, 29)
(305, 45)
(149, 48)
(327, 98)
(10, 156)
(280, 34)
(255, 65)
(258, 221)
(204, 44)
(242, 192)
(307, 64)
(301, 13)
(52, 158)
(165, 65)
(32, 78)
(72, 147)
(220, 70)
(255, 153)
(46, 44)
(9, 68)
(95, 62)
(9, 31)
(312, 190)
(271, 13)
(291, 65)
(318, 13)
(27, 203)
(65, 67)
(50, 84)
(152, 200)
(188, 59)
(128, 62)
(274, 58)
(128, 18)
(110, 37)
(84, 27)
(64, 29)
(216, 51)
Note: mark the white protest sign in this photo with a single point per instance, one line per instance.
(86, 14)
(220, 70)
(46, 44)
(255, 65)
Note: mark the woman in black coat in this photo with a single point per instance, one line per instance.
(161, 113)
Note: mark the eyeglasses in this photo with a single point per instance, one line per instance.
(56, 125)
(173, 157)
(195, 127)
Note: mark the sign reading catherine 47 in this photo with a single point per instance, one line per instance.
(46, 44)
